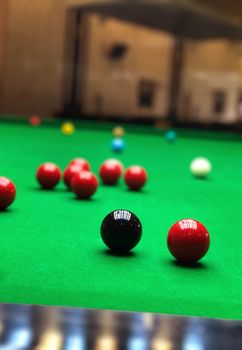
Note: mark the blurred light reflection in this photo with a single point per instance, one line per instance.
(192, 341)
(138, 343)
(106, 342)
(50, 328)
(51, 340)
(18, 339)
(74, 342)
(161, 344)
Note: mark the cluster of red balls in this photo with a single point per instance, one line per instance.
(112, 170)
(78, 176)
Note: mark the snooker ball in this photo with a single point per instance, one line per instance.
(135, 177)
(35, 120)
(117, 145)
(82, 162)
(84, 184)
(71, 171)
(188, 241)
(200, 167)
(7, 192)
(110, 171)
(67, 128)
(118, 132)
(121, 231)
(48, 175)
(170, 136)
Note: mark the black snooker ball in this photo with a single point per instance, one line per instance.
(121, 231)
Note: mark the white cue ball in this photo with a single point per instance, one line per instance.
(200, 167)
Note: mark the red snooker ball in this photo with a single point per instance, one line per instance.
(35, 120)
(48, 175)
(135, 177)
(7, 193)
(110, 171)
(188, 241)
(82, 162)
(84, 184)
(71, 171)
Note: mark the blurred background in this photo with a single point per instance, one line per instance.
(158, 62)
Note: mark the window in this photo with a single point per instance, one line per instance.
(146, 93)
(219, 101)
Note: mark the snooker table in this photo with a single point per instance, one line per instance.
(50, 246)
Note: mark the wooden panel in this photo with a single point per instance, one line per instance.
(3, 48)
(228, 7)
(35, 56)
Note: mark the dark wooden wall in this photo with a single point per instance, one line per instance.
(3, 46)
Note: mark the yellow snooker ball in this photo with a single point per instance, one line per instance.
(118, 131)
(67, 128)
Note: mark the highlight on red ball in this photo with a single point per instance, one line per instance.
(188, 241)
(7, 192)
(48, 175)
(82, 162)
(110, 171)
(135, 177)
(84, 184)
